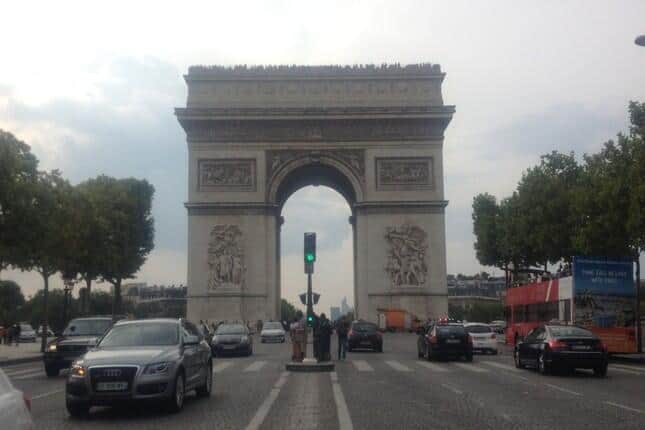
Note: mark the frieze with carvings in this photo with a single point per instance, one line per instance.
(402, 173)
(226, 268)
(307, 130)
(354, 159)
(406, 256)
(226, 175)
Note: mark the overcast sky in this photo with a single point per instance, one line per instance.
(92, 90)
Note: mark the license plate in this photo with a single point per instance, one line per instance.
(366, 343)
(453, 341)
(580, 347)
(111, 386)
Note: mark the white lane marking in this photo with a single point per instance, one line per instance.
(621, 370)
(564, 390)
(221, 366)
(453, 389)
(500, 365)
(471, 367)
(397, 366)
(21, 372)
(624, 366)
(254, 367)
(344, 420)
(265, 407)
(29, 375)
(51, 393)
(362, 366)
(432, 366)
(627, 408)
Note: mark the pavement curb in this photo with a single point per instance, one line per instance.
(21, 360)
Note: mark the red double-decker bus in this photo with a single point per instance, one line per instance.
(533, 304)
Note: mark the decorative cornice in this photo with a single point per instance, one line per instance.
(403, 293)
(217, 208)
(387, 207)
(293, 71)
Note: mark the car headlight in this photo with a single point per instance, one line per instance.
(52, 347)
(244, 339)
(77, 371)
(157, 368)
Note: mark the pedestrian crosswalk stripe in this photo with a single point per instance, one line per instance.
(221, 366)
(624, 366)
(471, 367)
(500, 365)
(23, 371)
(29, 375)
(397, 366)
(362, 366)
(627, 371)
(432, 366)
(255, 366)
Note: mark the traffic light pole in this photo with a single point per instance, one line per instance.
(310, 310)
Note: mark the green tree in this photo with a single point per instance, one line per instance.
(126, 230)
(42, 244)
(486, 230)
(18, 173)
(11, 302)
(287, 311)
(34, 309)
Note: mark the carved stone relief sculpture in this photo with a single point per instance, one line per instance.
(406, 264)
(226, 258)
(233, 174)
(404, 172)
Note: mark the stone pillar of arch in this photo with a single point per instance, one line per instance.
(257, 135)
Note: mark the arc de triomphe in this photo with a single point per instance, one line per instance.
(257, 134)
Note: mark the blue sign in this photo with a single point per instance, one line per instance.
(604, 277)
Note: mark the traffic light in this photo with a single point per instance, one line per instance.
(310, 320)
(310, 247)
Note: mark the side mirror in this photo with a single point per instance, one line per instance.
(191, 340)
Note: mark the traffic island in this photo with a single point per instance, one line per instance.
(310, 366)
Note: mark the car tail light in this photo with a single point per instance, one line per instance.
(27, 401)
(433, 339)
(557, 344)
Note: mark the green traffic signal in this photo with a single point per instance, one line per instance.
(310, 258)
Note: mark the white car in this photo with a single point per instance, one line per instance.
(15, 407)
(484, 337)
(27, 333)
(272, 331)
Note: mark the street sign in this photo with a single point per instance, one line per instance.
(316, 296)
(303, 298)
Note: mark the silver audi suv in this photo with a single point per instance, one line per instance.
(155, 359)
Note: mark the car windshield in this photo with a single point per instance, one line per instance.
(87, 327)
(364, 327)
(231, 329)
(450, 329)
(272, 326)
(570, 332)
(478, 329)
(25, 327)
(143, 334)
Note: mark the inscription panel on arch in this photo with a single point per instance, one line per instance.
(400, 173)
(226, 174)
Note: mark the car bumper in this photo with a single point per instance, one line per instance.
(580, 360)
(451, 352)
(79, 390)
(485, 345)
(220, 349)
(269, 339)
(361, 343)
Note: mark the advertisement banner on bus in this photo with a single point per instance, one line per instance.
(604, 300)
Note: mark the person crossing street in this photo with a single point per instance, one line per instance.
(341, 331)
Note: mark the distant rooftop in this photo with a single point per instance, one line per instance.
(322, 70)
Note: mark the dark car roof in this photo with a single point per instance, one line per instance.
(149, 321)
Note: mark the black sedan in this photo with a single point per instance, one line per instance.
(364, 335)
(232, 338)
(444, 340)
(550, 347)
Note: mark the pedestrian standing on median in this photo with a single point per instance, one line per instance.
(297, 331)
(341, 331)
(16, 334)
(325, 338)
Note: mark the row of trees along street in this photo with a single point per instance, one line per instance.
(563, 207)
(99, 230)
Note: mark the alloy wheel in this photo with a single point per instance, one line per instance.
(179, 392)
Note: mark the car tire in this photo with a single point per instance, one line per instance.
(601, 371)
(176, 400)
(543, 368)
(205, 390)
(77, 409)
(51, 370)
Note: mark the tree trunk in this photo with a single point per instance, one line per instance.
(43, 334)
(88, 296)
(116, 302)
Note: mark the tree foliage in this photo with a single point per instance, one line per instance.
(287, 311)
(11, 303)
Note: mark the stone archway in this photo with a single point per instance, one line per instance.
(256, 135)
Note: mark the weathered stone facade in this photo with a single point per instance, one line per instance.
(256, 135)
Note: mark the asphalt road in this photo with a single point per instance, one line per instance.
(389, 390)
